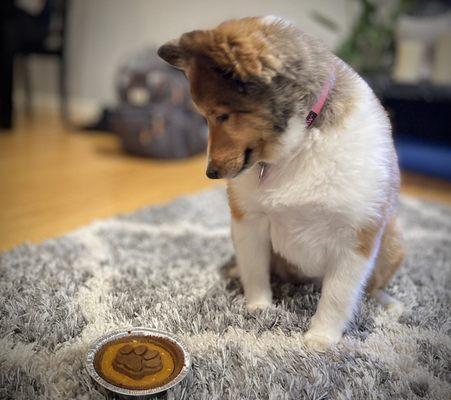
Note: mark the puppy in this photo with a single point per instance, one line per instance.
(308, 155)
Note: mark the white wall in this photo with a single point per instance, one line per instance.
(104, 32)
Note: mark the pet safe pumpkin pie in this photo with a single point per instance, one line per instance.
(138, 360)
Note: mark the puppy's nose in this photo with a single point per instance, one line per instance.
(213, 173)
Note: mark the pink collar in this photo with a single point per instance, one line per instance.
(311, 116)
(321, 99)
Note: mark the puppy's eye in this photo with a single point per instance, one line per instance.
(222, 117)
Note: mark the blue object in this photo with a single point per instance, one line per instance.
(423, 156)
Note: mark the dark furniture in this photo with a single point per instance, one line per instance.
(23, 35)
(421, 119)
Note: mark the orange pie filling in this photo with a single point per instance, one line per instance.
(139, 362)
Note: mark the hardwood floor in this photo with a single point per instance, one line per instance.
(53, 180)
(426, 187)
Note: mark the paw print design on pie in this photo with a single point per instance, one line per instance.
(137, 362)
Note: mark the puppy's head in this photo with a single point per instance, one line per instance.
(232, 70)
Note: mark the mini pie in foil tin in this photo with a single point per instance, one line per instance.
(117, 362)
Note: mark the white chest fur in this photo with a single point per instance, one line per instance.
(327, 184)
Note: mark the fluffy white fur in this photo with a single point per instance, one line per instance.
(308, 208)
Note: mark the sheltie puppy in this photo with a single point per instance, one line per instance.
(307, 152)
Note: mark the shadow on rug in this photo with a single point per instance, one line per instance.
(161, 267)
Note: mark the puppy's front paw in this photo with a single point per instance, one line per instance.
(320, 341)
(260, 304)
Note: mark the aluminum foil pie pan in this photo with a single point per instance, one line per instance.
(97, 357)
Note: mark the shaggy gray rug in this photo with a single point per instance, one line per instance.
(162, 267)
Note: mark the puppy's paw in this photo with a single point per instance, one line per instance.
(260, 304)
(394, 308)
(391, 305)
(320, 341)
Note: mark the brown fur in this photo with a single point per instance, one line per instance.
(213, 96)
(391, 254)
(237, 213)
(366, 238)
(236, 46)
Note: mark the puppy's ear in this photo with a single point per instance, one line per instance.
(173, 54)
(246, 54)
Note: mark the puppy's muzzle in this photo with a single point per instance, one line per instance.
(217, 170)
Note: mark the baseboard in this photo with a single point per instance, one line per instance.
(81, 110)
